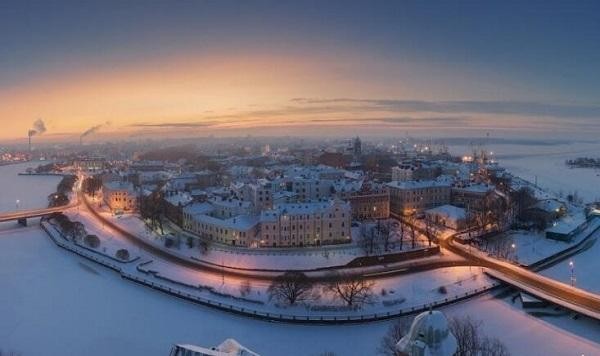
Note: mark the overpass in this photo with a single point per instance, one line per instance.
(569, 297)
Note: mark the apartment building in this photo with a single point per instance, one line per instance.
(303, 224)
(415, 196)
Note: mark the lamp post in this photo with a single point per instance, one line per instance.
(17, 203)
(514, 248)
(572, 267)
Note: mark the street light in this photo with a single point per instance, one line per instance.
(17, 203)
(572, 266)
(514, 247)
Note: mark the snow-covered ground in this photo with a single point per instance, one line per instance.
(248, 258)
(55, 296)
(31, 191)
(585, 269)
(390, 294)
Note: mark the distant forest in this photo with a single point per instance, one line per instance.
(583, 162)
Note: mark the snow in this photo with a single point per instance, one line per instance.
(55, 297)
(585, 268)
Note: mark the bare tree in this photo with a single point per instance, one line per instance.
(410, 221)
(245, 288)
(367, 241)
(470, 342)
(386, 234)
(429, 228)
(291, 287)
(396, 331)
(402, 230)
(353, 290)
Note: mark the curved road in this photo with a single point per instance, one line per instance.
(263, 274)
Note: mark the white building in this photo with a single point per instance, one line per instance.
(120, 196)
(229, 347)
(302, 224)
(448, 216)
(429, 335)
(208, 221)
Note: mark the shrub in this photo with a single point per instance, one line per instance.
(443, 290)
(92, 241)
(122, 254)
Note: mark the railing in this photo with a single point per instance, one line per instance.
(250, 312)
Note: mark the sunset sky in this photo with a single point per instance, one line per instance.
(153, 68)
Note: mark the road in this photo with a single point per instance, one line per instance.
(543, 287)
(258, 274)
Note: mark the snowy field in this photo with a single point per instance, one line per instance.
(31, 191)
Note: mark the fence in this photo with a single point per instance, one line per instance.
(257, 314)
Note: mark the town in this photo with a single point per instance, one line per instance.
(313, 232)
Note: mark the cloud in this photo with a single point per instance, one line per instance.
(525, 108)
(174, 124)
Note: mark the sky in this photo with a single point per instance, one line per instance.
(157, 68)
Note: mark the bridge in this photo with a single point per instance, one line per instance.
(21, 216)
(548, 289)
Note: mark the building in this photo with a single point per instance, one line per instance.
(174, 203)
(371, 202)
(448, 215)
(304, 224)
(471, 196)
(260, 194)
(414, 196)
(90, 164)
(209, 222)
(403, 172)
(229, 347)
(356, 147)
(120, 196)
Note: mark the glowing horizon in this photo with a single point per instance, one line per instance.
(257, 73)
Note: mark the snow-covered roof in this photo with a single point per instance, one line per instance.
(240, 222)
(198, 209)
(476, 188)
(449, 212)
(549, 205)
(299, 209)
(179, 198)
(419, 184)
(567, 224)
(229, 347)
(117, 185)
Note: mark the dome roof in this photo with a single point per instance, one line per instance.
(429, 334)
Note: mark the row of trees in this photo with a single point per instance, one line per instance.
(294, 287)
(470, 340)
(152, 207)
(378, 238)
(61, 196)
(91, 185)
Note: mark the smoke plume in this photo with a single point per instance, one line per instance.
(92, 130)
(38, 128)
